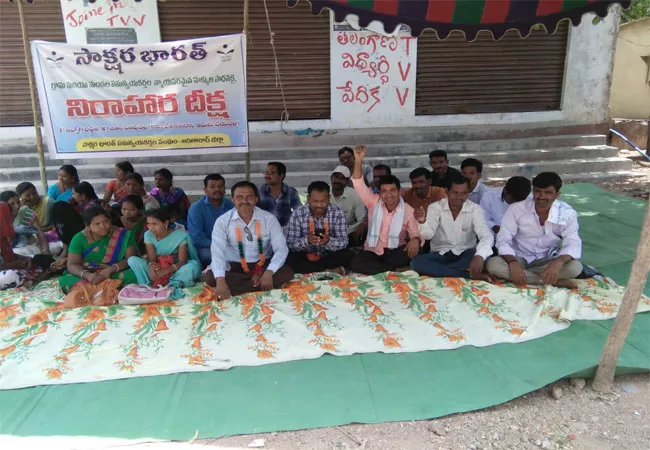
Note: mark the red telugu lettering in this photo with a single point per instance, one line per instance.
(141, 21)
(402, 99)
(401, 70)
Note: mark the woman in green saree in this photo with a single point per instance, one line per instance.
(99, 252)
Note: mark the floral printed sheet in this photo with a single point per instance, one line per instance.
(42, 343)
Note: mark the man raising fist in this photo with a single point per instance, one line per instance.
(393, 235)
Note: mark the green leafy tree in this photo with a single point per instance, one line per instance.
(638, 10)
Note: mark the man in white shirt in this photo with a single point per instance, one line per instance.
(472, 169)
(453, 224)
(349, 201)
(496, 201)
(538, 242)
(248, 248)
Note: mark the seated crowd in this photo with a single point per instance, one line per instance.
(447, 224)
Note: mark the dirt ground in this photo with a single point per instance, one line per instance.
(579, 419)
(638, 187)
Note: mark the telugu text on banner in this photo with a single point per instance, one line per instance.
(137, 100)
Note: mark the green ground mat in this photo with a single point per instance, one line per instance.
(367, 388)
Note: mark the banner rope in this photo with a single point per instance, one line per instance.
(284, 117)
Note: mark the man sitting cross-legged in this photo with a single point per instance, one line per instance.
(538, 242)
(452, 224)
(393, 236)
(348, 200)
(317, 234)
(248, 248)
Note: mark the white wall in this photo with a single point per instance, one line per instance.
(589, 68)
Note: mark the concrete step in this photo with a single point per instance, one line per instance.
(565, 167)
(100, 170)
(13, 154)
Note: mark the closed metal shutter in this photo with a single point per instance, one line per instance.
(302, 42)
(44, 22)
(486, 76)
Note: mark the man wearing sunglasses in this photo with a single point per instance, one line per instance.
(248, 248)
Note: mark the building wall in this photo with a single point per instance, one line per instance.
(585, 97)
(630, 97)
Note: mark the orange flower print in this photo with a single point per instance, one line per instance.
(426, 317)
(94, 315)
(54, 374)
(28, 341)
(196, 342)
(606, 309)
(38, 317)
(101, 326)
(133, 352)
(380, 329)
(266, 319)
(196, 360)
(264, 354)
(70, 350)
(401, 288)
(5, 351)
(487, 301)
(391, 342)
(63, 358)
(328, 347)
(392, 276)
(211, 327)
(483, 309)
(432, 308)
(42, 329)
(350, 296)
(162, 326)
(247, 304)
(373, 319)
(376, 311)
(342, 283)
(321, 315)
(260, 338)
(257, 328)
(454, 284)
(266, 310)
(8, 312)
(318, 307)
(424, 299)
(456, 337)
(479, 292)
(516, 331)
(213, 318)
(91, 338)
(497, 318)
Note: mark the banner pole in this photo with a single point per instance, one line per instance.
(32, 93)
(248, 153)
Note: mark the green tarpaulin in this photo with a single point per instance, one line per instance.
(361, 388)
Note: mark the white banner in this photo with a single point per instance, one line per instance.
(137, 100)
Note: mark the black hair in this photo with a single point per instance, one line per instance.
(244, 184)
(518, 188)
(165, 173)
(472, 162)
(86, 189)
(420, 172)
(457, 179)
(72, 171)
(135, 200)
(213, 177)
(125, 166)
(92, 212)
(319, 186)
(135, 176)
(547, 179)
(163, 214)
(389, 179)
(281, 168)
(22, 187)
(7, 195)
(438, 154)
(346, 150)
(383, 167)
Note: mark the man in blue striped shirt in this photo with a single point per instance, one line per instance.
(317, 234)
(275, 196)
(248, 248)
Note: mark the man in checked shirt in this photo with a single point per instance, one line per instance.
(317, 234)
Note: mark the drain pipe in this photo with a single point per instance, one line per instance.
(630, 143)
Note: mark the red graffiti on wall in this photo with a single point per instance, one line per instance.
(361, 94)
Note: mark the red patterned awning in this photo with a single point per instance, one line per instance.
(468, 16)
